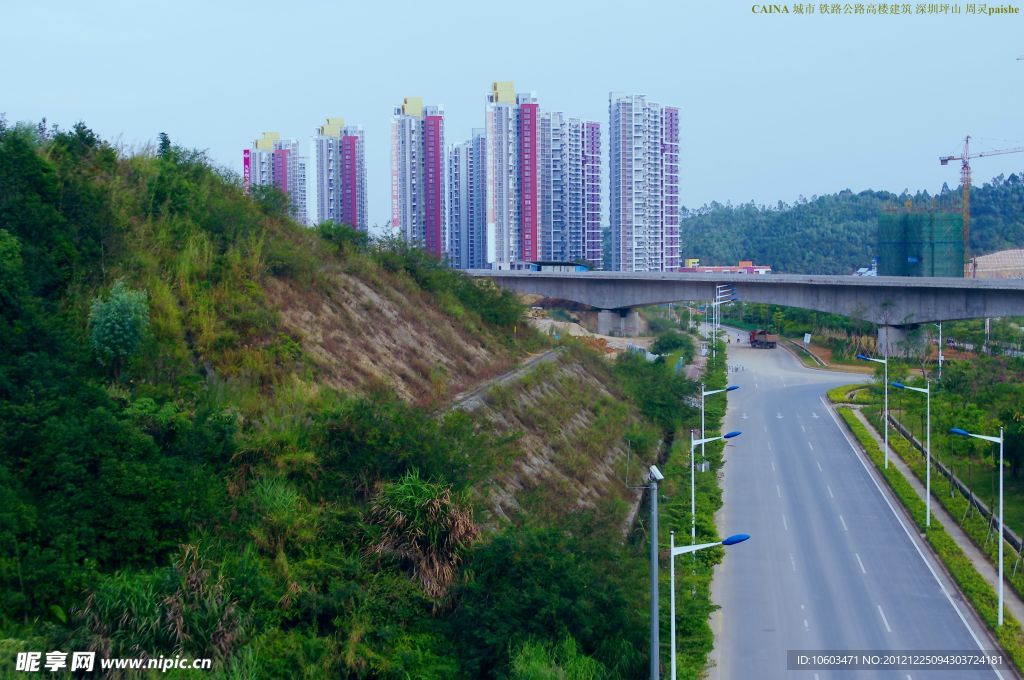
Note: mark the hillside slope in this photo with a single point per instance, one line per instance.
(573, 424)
(223, 435)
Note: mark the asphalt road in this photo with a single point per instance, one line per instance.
(830, 565)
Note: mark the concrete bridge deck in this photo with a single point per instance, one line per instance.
(884, 300)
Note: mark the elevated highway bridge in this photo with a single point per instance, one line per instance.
(892, 302)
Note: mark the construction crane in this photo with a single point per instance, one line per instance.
(965, 182)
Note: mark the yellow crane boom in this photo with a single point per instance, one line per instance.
(965, 183)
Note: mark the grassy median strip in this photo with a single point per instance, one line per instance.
(981, 595)
(694, 573)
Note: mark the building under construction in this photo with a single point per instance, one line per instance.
(920, 243)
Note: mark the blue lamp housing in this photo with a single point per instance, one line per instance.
(735, 538)
(898, 385)
(962, 433)
(730, 388)
(730, 435)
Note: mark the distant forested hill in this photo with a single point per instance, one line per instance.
(836, 233)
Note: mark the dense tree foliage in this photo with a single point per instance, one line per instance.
(837, 233)
(117, 324)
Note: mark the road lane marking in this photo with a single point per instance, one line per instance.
(744, 416)
(830, 495)
(765, 428)
(860, 456)
(778, 490)
(769, 446)
(862, 569)
(792, 562)
(814, 414)
(887, 628)
(778, 416)
(773, 465)
(802, 428)
(810, 445)
(806, 627)
(818, 463)
(843, 522)
(784, 524)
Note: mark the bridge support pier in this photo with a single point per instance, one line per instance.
(624, 322)
(630, 322)
(900, 341)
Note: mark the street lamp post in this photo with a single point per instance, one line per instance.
(997, 440)
(722, 295)
(654, 478)
(693, 495)
(927, 391)
(732, 540)
(884, 362)
(708, 393)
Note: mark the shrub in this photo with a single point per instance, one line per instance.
(118, 325)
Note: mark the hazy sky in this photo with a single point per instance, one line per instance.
(772, 106)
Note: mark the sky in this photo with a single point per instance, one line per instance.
(772, 106)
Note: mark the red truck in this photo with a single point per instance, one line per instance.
(763, 339)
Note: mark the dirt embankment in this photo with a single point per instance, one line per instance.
(376, 328)
(570, 451)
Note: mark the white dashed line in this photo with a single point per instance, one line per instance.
(843, 522)
(773, 465)
(887, 628)
(792, 562)
(802, 429)
(785, 525)
(863, 462)
(830, 494)
(806, 627)
(861, 564)
(818, 463)
(810, 445)
(778, 490)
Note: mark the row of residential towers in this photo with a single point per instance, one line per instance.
(527, 186)
(340, 172)
(524, 188)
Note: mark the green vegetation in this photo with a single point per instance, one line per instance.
(536, 661)
(178, 475)
(674, 341)
(693, 576)
(981, 595)
(837, 233)
(857, 393)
